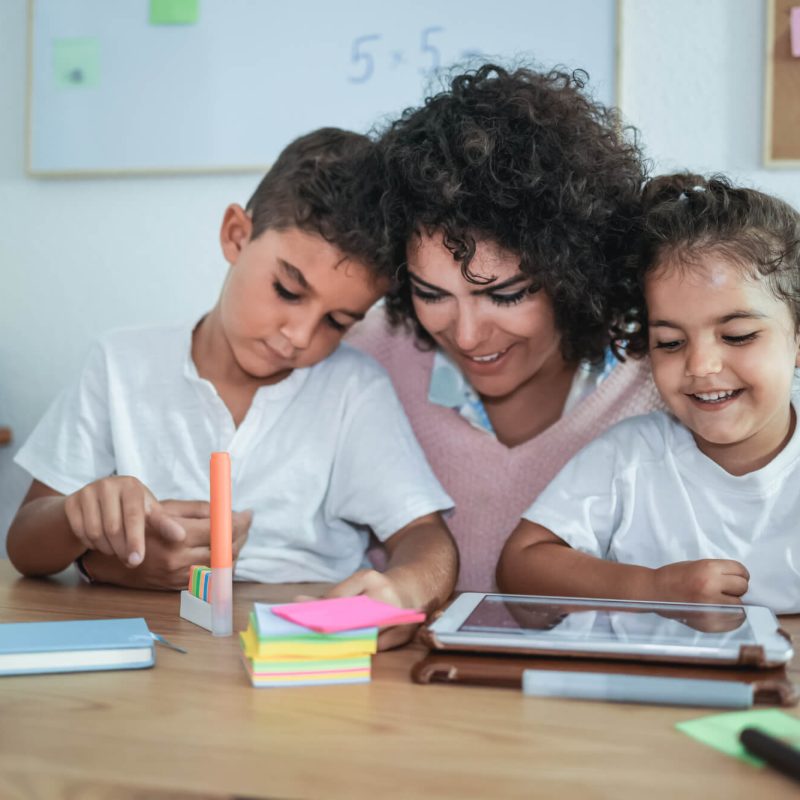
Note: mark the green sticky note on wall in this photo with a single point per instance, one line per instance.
(174, 12)
(721, 731)
(76, 62)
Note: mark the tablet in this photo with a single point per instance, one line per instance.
(589, 628)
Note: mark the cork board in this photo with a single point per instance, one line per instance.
(782, 95)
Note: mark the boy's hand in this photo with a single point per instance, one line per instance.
(166, 563)
(110, 515)
(378, 586)
(710, 580)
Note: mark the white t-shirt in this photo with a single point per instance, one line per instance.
(642, 493)
(321, 457)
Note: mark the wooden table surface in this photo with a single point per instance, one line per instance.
(193, 727)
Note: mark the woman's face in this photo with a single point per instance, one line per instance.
(499, 332)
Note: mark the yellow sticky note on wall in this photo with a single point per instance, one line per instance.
(174, 12)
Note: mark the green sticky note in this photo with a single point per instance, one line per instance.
(76, 62)
(174, 12)
(721, 731)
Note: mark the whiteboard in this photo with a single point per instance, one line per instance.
(110, 91)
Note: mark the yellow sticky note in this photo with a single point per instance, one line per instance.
(174, 12)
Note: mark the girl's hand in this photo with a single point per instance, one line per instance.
(110, 516)
(710, 580)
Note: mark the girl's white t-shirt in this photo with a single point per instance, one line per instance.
(642, 493)
(321, 458)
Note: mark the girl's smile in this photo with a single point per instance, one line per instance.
(723, 349)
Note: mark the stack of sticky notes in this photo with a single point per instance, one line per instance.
(318, 642)
(200, 582)
(196, 600)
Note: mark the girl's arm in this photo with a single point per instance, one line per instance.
(535, 561)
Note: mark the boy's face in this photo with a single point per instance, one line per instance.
(289, 297)
(723, 350)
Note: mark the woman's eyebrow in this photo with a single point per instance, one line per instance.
(485, 289)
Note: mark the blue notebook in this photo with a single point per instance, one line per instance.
(75, 646)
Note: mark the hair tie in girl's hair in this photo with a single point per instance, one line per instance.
(696, 188)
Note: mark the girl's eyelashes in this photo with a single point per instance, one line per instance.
(743, 339)
(672, 345)
(284, 293)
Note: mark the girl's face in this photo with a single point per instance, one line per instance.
(723, 350)
(289, 297)
(499, 333)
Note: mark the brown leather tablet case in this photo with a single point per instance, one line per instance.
(772, 686)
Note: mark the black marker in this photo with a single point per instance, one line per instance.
(777, 754)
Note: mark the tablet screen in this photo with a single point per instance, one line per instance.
(607, 622)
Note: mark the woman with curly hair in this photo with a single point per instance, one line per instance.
(511, 197)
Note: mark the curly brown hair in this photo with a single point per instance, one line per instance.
(528, 160)
(328, 182)
(686, 217)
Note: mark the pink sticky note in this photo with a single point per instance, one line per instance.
(794, 27)
(346, 613)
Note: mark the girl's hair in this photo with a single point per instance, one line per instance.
(686, 217)
(530, 162)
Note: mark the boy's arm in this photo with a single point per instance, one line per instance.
(421, 573)
(104, 521)
(536, 561)
(40, 540)
(50, 530)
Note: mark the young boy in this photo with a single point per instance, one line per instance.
(320, 448)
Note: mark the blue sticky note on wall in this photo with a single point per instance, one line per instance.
(76, 62)
(174, 12)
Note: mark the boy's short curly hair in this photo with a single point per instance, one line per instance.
(328, 182)
(529, 161)
(686, 217)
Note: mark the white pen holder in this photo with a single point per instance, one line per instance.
(195, 610)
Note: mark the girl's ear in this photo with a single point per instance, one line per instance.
(235, 232)
(797, 353)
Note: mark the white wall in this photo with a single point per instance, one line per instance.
(78, 257)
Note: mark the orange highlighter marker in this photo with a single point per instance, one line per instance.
(221, 546)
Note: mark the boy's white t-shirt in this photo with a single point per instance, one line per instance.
(322, 457)
(642, 493)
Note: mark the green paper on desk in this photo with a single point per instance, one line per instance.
(721, 731)
(174, 12)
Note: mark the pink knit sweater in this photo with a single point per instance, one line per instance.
(490, 483)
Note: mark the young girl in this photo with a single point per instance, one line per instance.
(699, 504)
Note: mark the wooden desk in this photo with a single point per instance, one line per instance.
(193, 727)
